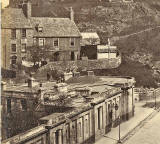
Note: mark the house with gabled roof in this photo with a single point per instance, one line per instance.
(59, 37)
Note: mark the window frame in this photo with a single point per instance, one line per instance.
(13, 47)
(22, 48)
(55, 40)
(42, 42)
(40, 29)
(11, 60)
(23, 33)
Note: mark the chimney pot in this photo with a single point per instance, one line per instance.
(71, 14)
(27, 9)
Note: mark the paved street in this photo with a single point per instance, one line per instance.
(148, 134)
(140, 114)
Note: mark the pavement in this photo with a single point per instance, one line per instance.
(126, 127)
(148, 134)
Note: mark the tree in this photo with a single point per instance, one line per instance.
(63, 99)
(37, 53)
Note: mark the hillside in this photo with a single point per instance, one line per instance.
(118, 21)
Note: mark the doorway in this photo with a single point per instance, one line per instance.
(56, 56)
(72, 56)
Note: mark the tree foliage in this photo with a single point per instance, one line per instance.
(37, 53)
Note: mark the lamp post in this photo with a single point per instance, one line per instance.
(155, 99)
(119, 140)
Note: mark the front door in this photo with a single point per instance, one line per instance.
(72, 56)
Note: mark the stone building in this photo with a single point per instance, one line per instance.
(59, 36)
(17, 35)
(89, 117)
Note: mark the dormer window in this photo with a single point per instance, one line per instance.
(40, 29)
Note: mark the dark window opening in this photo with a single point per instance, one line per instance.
(13, 48)
(8, 105)
(72, 56)
(13, 33)
(13, 59)
(55, 42)
(99, 118)
(72, 41)
(23, 33)
(24, 104)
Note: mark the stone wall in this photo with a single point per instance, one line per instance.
(83, 64)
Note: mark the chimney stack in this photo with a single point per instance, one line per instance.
(71, 14)
(27, 9)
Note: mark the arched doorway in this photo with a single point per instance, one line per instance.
(56, 56)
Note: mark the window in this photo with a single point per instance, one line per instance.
(13, 60)
(41, 41)
(8, 105)
(23, 33)
(40, 29)
(24, 104)
(72, 41)
(23, 49)
(13, 48)
(13, 33)
(34, 41)
(55, 42)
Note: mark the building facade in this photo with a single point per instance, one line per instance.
(59, 37)
(17, 35)
(96, 115)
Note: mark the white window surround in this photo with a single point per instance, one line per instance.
(23, 47)
(41, 41)
(40, 29)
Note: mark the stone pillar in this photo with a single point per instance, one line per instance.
(60, 136)
(52, 137)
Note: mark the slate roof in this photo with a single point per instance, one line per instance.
(14, 18)
(55, 27)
